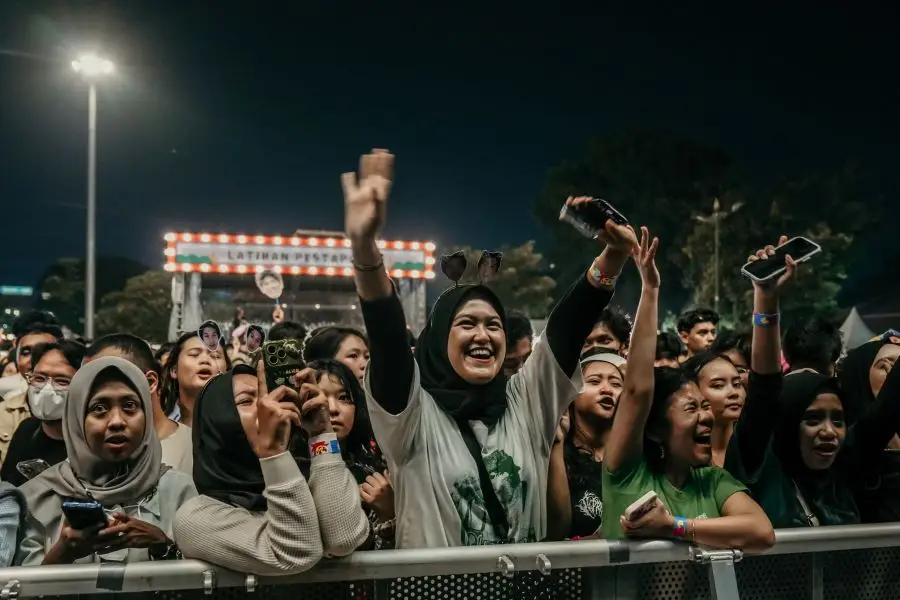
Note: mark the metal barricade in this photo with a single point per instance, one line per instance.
(827, 563)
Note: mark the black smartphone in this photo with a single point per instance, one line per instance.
(282, 359)
(84, 514)
(799, 248)
(590, 218)
(32, 468)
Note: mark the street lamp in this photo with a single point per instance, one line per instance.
(91, 67)
(715, 218)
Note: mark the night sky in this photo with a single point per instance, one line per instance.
(240, 116)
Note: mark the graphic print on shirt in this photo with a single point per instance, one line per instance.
(591, 506)
(511, 490)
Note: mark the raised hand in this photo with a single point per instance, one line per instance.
(366, 194)
(313, 403)
(617, 237)
(645, 259)
(773, 286)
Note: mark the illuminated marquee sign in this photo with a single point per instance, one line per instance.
(290, 255)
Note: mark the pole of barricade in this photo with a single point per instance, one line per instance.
(722, 578)
(817, 581)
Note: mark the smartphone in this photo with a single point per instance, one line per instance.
(282, 359)
(641, 506)
(84, 514)
(32, 468)
(800, 249)
(590, 218)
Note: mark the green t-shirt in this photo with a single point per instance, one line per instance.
(702, 496)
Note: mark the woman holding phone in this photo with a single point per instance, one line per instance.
(661, 442)
(125, 498)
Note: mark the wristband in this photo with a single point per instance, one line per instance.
(326, 443)
(679, 529)
(764, 320)
(599, 278)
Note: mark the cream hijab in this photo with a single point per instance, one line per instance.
(85, 475)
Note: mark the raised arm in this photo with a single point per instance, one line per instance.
(365, 211)
(576, 313)
(754, 429)
(627, 435)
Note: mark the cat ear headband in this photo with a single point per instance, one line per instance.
(454, 266)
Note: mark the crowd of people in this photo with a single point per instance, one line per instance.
(476, 432)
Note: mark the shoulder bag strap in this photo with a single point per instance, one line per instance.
(811, 518)
(491, 502)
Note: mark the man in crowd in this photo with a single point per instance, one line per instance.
(519, 337)
(31, 330)
(697, 329)
(612, 333)
(812, 343)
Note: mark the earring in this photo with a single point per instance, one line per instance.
(662, 452)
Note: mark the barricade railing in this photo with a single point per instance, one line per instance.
(816, 563)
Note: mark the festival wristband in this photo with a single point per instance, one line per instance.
(680, 528)
(321, 445)
(764, 320)
(599, 278)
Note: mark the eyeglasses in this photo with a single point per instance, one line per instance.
(39, 380)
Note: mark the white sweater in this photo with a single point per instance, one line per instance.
(303, 522)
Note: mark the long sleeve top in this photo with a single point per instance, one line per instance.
(303, 522)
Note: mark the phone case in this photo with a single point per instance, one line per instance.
(778, 272)
(283, 358)
(641, 506)
(84, 515)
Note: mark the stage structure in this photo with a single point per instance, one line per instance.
(317, 268)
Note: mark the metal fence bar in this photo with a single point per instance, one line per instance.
(393, 564)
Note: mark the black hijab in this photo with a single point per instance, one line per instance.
(225, 466)
(798, 391)
(462, 401)
(854, 377)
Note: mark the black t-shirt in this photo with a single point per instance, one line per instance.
(30, 442)
(586, 492)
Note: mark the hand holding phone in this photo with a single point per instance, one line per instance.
(641, 506)
(589, 215)
(770, 264)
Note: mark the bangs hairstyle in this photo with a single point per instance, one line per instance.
(168, 394)
(696, 363)
(73, 352)
(323, 343)
(666, 383)
(360, 439)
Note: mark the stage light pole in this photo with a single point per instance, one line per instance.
(92, 68)
(715, 218)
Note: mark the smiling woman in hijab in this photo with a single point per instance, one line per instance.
(468, 449)
(115, 459)
(862, 375)
(256, 512)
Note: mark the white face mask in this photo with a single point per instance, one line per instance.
(47, 403)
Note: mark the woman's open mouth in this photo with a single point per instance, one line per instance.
(117, 441)
(480, 354)
(703, 438)
(826, 449)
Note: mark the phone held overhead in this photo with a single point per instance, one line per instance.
(589, 217)
(799, 248)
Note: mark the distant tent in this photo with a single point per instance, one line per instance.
(854, 331)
